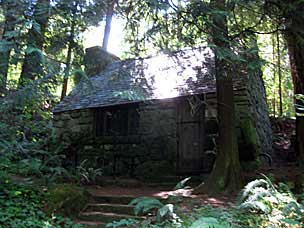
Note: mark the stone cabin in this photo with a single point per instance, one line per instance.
(158, 114)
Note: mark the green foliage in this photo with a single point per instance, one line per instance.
(269, 52)
(88, 174)
(164, 212)
(257, 195)
(123, 223)
(182, 183)
(144, 205)
(274, 206)
(79, 75)
(66, 200)
(167, 213)
(22, 207)
(262, 196)
(208, 222)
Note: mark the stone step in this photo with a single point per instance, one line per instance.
(109, 199)
(114, 208)
(121, 182)
(105, 217)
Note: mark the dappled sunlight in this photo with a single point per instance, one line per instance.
(176, 74)
(178, 193)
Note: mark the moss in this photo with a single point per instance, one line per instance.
(248, 145)
(249, 131)
(66, 200)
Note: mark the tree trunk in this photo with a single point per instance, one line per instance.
(66, 73)
(226, 173)
(33, 64)
(294, 34)
(296, 55)
(107, 30)
(274, 78)
(7, 46)
(68, 62)
(280, 75)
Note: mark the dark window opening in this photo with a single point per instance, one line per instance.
(116, 121)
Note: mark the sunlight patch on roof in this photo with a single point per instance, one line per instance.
(166, 74)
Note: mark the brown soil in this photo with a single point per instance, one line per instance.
(188, 199)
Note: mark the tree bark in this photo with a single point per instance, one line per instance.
(107, 30)
(7, 46)
(33, 65)
(294, 34)
(68, 62)
(296, 55)
(280, 75)
(226, 173)
(274, 78)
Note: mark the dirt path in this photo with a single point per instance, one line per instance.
(187, 199)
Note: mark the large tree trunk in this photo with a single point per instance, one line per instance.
(226, 173)
(107, 30)
(274, 78)
(294, 34)
(7, 42)
(33, 64)
(280, 75)
(296, 54)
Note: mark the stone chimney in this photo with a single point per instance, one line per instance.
(97, 59)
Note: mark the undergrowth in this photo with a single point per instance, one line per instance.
(261, 204)
(22, 206)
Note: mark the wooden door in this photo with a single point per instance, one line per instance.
(190, 138)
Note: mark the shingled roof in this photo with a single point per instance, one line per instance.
(185, 72)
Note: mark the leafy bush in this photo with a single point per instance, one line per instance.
(66, 200)
(278, 203)
(261, 205)
(22, 207)
(208, 222)
(124, 223)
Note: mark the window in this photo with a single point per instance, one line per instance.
(116, 121)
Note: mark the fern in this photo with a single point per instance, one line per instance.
(262, 196)
(209, 222)
(250, 188)
(258, 195)
(89, 174)
(182, 183)
(143, 205)
(122, 223)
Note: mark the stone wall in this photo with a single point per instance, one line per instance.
(155, 145)
(73, 122)
(157, 129)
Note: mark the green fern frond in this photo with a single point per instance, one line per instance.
(209, 222)
(144, 205)
(182, 183)
(269, 182)
(256, 206)
(250, 188)
(258, 194)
